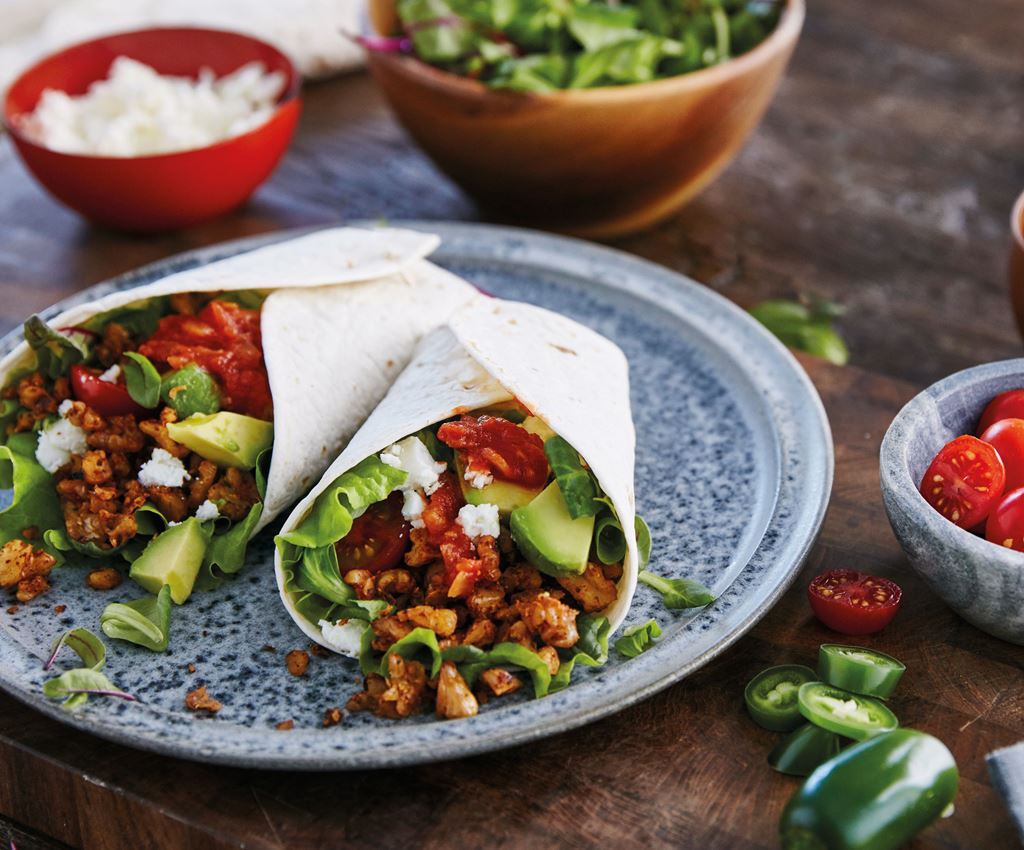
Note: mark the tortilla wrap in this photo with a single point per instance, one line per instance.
(346, 311)
(491, 351)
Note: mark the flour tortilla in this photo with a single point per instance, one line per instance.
(491, 351)
(346, 311)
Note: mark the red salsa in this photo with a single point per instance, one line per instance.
(225, 340)
(501, 448)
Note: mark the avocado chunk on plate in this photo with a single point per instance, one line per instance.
(228, 438)
(173, 558)
(549, 538)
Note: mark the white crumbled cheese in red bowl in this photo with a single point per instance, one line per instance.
(138, 112)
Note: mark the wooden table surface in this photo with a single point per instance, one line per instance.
(882, 178)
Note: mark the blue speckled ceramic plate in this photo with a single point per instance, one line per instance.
(734, 469)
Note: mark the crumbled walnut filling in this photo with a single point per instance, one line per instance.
(105, 578)
(25, 569)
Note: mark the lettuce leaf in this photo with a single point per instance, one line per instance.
(34, 500)
(578, 487)
(638, 639)
(413, 643)
(225, 554)
(144, 621)
(345, 499)
(473, 661)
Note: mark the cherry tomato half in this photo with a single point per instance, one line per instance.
(853, 603)
(1007, 437)
(964, 481)
(1005, 525)
(105, 397)
(1008, 405)
(377, 539)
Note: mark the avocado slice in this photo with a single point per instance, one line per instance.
(506, 495)
(228, 438)
(173, 558)
(549, 538)
(536, 425)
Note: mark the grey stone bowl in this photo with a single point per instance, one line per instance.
(981, 581)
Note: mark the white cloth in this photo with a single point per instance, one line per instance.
(309, 31)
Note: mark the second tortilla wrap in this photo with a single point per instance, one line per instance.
(492, 351)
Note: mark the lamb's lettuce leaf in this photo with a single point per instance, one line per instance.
(591, 649)
(141, 379)
(144, 621)
(75, 686)
(638, 639)
(87, 646)
(579, 490)
(678, 593)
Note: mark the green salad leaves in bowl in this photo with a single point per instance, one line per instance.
(538, 45)
(594, 118)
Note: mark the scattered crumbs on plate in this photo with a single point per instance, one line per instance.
(268, 648)
(332, 717)
(318, 651)
(191, 668)
(285, 725)
(297, 661)
(59, 609)
(199, 700)
(13, 609)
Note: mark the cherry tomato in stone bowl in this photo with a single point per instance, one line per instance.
(852, 602)
(964, 481)
(162, 191)
(981, 579)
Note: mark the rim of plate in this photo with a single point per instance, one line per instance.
(806, 466)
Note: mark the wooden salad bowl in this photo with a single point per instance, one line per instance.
(595, 162)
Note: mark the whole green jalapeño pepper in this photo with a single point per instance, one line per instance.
(875, 795)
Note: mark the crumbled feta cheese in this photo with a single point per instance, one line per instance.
(137, 111)
(479, 520)
(477, 480)
(162, 470)
(412, 508)
(112, 374)
(344, 636)
(57, 443)
(411, 456)
(207, 510)
(65, 406)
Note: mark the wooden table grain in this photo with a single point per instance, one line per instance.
(882, 178)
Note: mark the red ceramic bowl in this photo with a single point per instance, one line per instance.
(163, 191)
